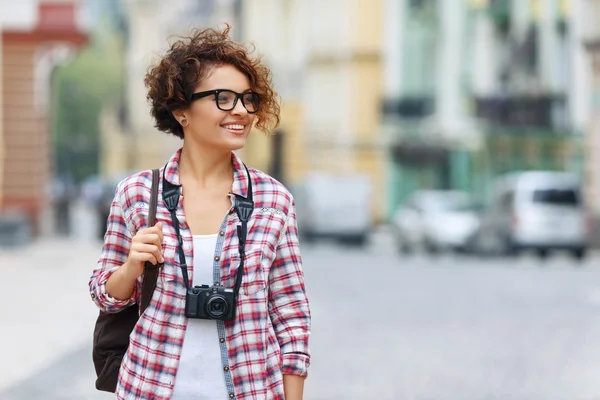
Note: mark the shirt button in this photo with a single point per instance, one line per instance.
(222, 340)
(217, 258)
(222, 233)
(93, 296)
(217, 283)
(226, 368)
(231, 395)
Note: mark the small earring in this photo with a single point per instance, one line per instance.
(183, 122)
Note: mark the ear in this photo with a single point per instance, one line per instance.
(180, 115)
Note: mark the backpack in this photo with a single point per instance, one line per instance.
(111, 333)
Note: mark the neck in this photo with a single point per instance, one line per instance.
(204, 166)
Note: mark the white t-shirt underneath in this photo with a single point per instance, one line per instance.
(200, 373)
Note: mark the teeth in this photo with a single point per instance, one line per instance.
(234, 126)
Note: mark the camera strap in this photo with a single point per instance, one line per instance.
(244, 206)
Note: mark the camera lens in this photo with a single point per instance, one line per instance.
(216, 306)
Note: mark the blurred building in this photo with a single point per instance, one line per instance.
(129, 140)
(328, 75)
(327, 60)
(481, 87)
(35, 36)
(2, 148)
(276, 29)
(591, 38)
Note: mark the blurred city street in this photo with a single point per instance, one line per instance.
(449, 150)
(384, 326)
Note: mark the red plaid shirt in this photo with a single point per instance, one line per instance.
(269, 336)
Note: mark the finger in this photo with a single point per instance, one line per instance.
(151, 229)
(148, 238)
(156, 230)
(150, 257)
(159, 226)
(158, 255)
(146, 248)
(147, 230)
(158, 242)
(151, 248)
(154, 250)
(143, 257)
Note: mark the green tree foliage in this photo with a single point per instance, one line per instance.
(81, 88)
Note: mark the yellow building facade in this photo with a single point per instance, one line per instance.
(327, 62)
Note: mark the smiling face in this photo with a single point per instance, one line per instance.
(207, 125)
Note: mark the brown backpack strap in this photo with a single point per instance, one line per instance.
(150, 271)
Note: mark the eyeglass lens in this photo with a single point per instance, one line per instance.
(226, 100)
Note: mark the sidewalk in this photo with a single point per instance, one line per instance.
(47, 312)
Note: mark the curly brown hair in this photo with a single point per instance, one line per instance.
(172, 82)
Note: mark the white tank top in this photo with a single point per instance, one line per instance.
(200, 373)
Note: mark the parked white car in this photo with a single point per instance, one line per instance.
(542, 211)
(435, 220)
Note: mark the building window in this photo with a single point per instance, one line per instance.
(420, 48)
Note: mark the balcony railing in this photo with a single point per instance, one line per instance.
(545, 111)
(409, 107)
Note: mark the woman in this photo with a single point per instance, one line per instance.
(208, 91)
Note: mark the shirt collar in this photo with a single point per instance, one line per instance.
(240, 179)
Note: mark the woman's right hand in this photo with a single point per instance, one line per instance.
(146, 245)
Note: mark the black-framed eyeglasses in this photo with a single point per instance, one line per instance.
(226, 99)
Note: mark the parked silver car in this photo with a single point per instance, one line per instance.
(435, 220)
(541, 211)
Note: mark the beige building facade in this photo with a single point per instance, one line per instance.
(133, 143)
(275, 28)
(329, 77)
(328, 70)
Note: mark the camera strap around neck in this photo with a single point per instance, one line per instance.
(244, 206)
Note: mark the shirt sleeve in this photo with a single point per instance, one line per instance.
(115, 251)
(288, 304)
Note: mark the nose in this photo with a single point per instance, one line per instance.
(239, 108)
